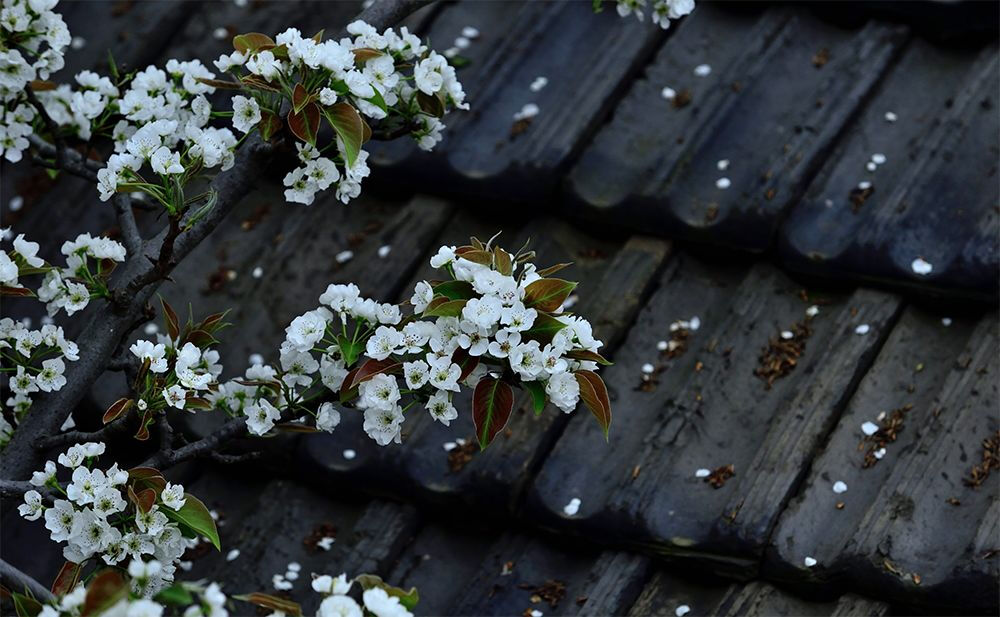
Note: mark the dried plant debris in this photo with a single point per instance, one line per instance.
(551, 591)
(889, 426)
(717, 478)
(313, 542)
(858, 196)
(461, 454)
(991, 461)
(782, 353)
(821, 57)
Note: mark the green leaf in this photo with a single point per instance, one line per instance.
(26, 606)
(492, 404)
(502, 261)
(537, 391)
(195, 517)
(443, 307)
(378, 101)
(350, 350)
(346, 121)
(547, 294)
(594, 394)
(597, 5)
(175, 595)
(455, 290)
(408, 599)
(544, 328)
(431, 104)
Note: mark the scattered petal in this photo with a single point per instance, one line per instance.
(383, 251)
(682, 610)
(257, 272)
(325, 543)
(862, 329)
(350, 454)
(869, 428)
(462, 42)
(879, 453)
(809, 561)
(256, 358)
(870, 166)
(878, 158)
(233, 554)
(694, 324)
(539, 83)
(864, 185)
(812, 311)
(946, 321)
(890, 116)
(662, 345)
(703, 473)
(16, 203)
(572, 507)
(702, 70)
(787, 335)
(78, 43)
(449, 446)
(648, 368)
(344, 256)
(722, 165)
(668, 93)
(220, 34)
(151, 328)
(839, 487)
(723, 183)
(530, 110)
(470, 32)
(921, 267)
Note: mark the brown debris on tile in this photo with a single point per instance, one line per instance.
(858, 196)
(888, 430)
(821, 57)
(323, 530)
(719, 475)
(551, 591)
(460, 455)
(781, 356)
(991, 461)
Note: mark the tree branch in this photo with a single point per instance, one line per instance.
(17, 580)
(60, 147)
(72, 161)
(207, 446)
(126, 222)
(108, 324)
(17, 488)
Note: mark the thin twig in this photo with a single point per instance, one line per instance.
(114, 428)
(72, 161)
(17, 581)
(206, 446)
(50, 124)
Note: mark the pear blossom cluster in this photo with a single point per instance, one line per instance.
(208, 600)
(384, 363)
(336, 603)
(99, 519)
(33, 41)
(661, 11)
(35, 360)
(385, 77)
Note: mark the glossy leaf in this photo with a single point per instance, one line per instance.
(492, 404)
(145, 420)
(67, 578)
(273, 603)
(350, 350)
(594, 394)
(544, 328)
(147, 477)
(299, 98)
(537, 391)
(170, 317)
(17, 292)
(104, 591)
(481, 257)
(502, 261)
(443, 307)
(195, 517)
(378, 101)
(553, 269)
(431, 104)
(547, 294)
(305, 123)
(143, 499)
(269, 124)
(370, 369)
(346, 121)
(591, 356)
(251, 42)
(455, 290)
(466, 362)
(363, 54)
(25, 606)
(175, 595)
(117, 408)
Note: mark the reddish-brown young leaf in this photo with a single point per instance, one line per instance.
(142, 434)
(17, 292)
(594, 394)
(492, 404)
(40, 85)
(117, 408)
(318, 37)
(431, 104)
(444, 307)
(363, 54)
(197, 402)
(173, 324)
(305, 123)
(467, 363)
(251, 42)
(480, 257)
(299, 98)
(143, 499)
(200, 338)
(213, 321)
(104, 591)
(349, 126)
(547, 294)
(67, 578)
(366, 131)
(222, 84)
(269, 124)
(591, 356)
(273, 603)
(370, 369)
(296, 427)
(502, 261)
(553, 269)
